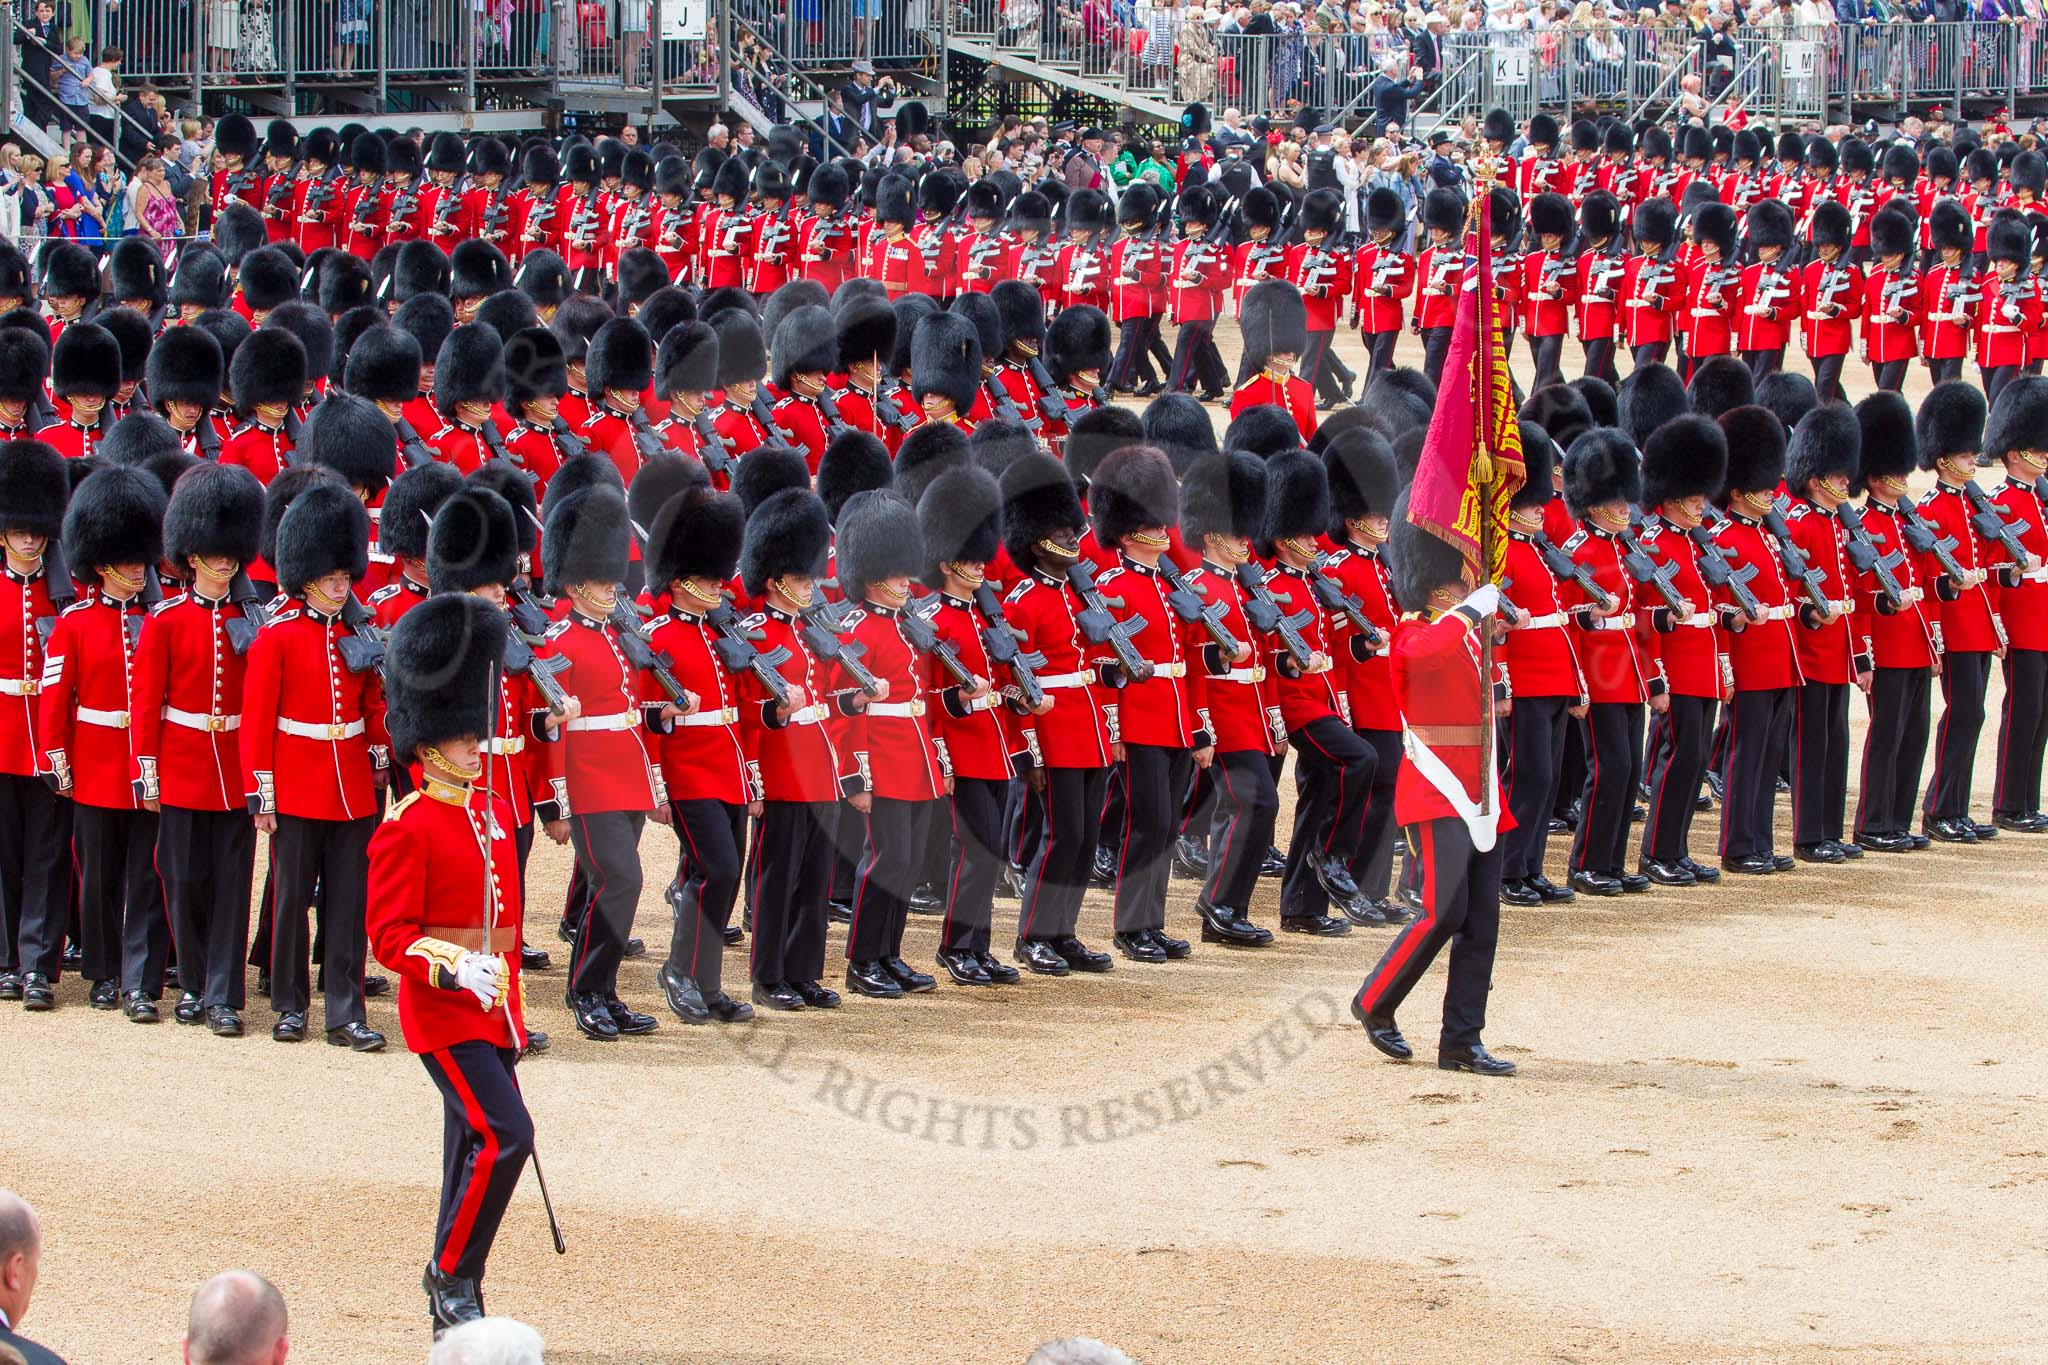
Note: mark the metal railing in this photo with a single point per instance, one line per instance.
(833, 34)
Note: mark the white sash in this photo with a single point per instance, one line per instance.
(1482, 824)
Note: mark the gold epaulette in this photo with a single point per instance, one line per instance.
(399, 807)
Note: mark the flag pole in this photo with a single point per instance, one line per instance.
(1482, 464)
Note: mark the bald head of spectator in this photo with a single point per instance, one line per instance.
(488, 1341)
(237, 1318)
(21, 1256)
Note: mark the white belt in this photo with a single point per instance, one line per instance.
(113, 720)
(1254, 674)
(506, 747)
(1054, 682)
(20, 687)
(1842, 608)
(623, 720)
(348, 730)
(808, 715)
(1699, 620)
(987, 701)
(1323, 667)
(724, 716)
(2034, 575)
(1556, 618)
(1625, 621)
(1784, 613)
(1174, 670)
(196, 720)
(900, 710)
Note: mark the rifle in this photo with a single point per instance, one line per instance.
(1051, 407)
(735, 646)
(1717, 572)
(1863, 554)
(636, 221)
(2011, 308)
(539, 216)
(410, 447)
(403, 205)
(1331, 595)
(1101, 628)
(828, 408)
(1811, 580)
(1896, 289)
(916, 623)
(581, 222)
(1961, 294)
(1006, 408)
(991, 245)
(1554, 270)
(1650, 282)
(444, 211)
(1561, 565)
(1318, 269)
(717, 458)
(520, 658)
(1385, 266)
(362, 649)
(317, 195)
(494, 216)
(768, 240)
(1645, 571)
(1608, 268)
(1986, 521)
(1264, 613)
(1087, 265)
(276, 205)
(641, 653)
(645, 441)
(1771, 289)
(566, 440)
(241, 630)
(887, 409)
(362, 227)
(1188, 605)
(1003, 643)
(1921, 538)
(1836, 282)
(821, 625)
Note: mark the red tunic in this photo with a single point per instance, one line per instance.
(185, 695)
(311, 730)
(2004, 317)
(702, 756)
(1969, 619)
(1616, 666)
(1827, 653)
(975, 738)
(1598, 291)
(1168, 710)
(1382, 277)
(1075, 733)
(1890, 311)
(1947, 312)
(2023, 605)
(1437, 683)
(1440, 270)
(84, 702)
(1200, 274)
(1244, 708)
(1894, 639)
(395, 599)
(1832, 296)
(1764, 655)
(1324, 278)
(1689, 656)
(793, 758)
(1292, 396)
(887, 747)
(1368, 685)
(603, 762)
(1306, 697)
(24, 601)
(1541, 657)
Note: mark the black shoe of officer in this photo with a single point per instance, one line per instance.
(912, 980)
(1319, 926)
(1518, 892)
(1079, 955)
(1174, 948)
(1038, 957)
(1552, 893)
(451, 1301)
(375, 986)
(37, 994)
(1557, 824)
(73, 959)
(627, 1021)
(593, 1020)
(926, 900)
(1336, 879)
(10, 985)
(1847, 850)
(818, 997)
(105, 995)
(727, 1010)
(1223, 924)
(1363, 911)
(1985, 833)
(1782, 787)
(565, 931)
(189, 1009)
(2030, 822)
(838, 912)
(1701, 873)
(1274, 864)
(777, 995)
(1634, 883)
(289, 1028)
(634, 948)
(1715, 784)
(1138, 948)
(1190, 858)
(223, 1022)
(1011, 883)
(684, 999)
(869, 979)
(1884, 843)
(999, 973)
(1782, 862)
(1822, 852)
(263, 983)
(1669, 873)
(139, 1008)
(1595, 883)
(732, 934)
(1703, 802)
(1102, 871)
(1951, 832)
(963, 967)
(1750, 865)
(1382, 1032)
(356, 1037)
(1397, 914)
(1473, 1057)
(532, 959)
(537, 1042)
(1638, 813)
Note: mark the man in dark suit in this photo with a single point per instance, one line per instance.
(836, 126)
(21, 1257)
(864, 99)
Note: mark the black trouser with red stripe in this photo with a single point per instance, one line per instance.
(207, 858)
(35, 875)
(1532, 737)
(887, 874)
(1600, 359)
(1759, 726)
(707, 883)
(1436, 348)
(1461, 905)
(1894, 747)
(334, 856)
(1372, 867)
(976, 861)
(1964, 677)
(122, 929)
(1134, 337)
(792, 862)
(1820, 762)
(1195, 359)
(607, 846)
(1890, 375)
(1649, 353)
(1058, 875)
(1549, 355)
(1241, 828)
(1677, 762)
(1996, 377)
(1614, 754)
(486, 1138)
(1941, 369)
(2022, 733)
(1827, 377)
(1322, 368)
(1155, 786)
(1762, 363)
(1379, 350)
(1333, 777)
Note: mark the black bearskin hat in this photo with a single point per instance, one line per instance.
(345, 283)
(239, 233)
(621, 357)
(1038, 500)
(879, 538)
(474, 541)
(1682, 458)
(586, 539)
(1499, 126)
(1021, 309)
(1297, 498)
(910, 310)
(200, 279)
(1419, 562)
(1272, 320)
(854, 462)
(786, 300)
(24, 362)
(515, 486)
(1770, 224)
(960, 519)
(402, 156)
(767, 471)
(1888, 448)
(323, 531)
(1599, 216)
(742, 356)
(1715, 223)
(997, 444)
(34, 487)
(1384, 211)
(1560, 410)
(1401, 399)
(1720, 383)
(2029, 172)
(440, 672)
(314, 331)
(980, 310)
(805, 343)
(270, 367)
(215, 512)
(1892, 231)
(1078, 342)
(1788, 394)
(281, 492)
(351, 436)
(1951, 422)
(1901, 162)
(1756, 449)
(1656, 222)
(1132, 488)
(1094, 435)
(487, 156)
(544, 277)
(1948, 226)
(132, 335)
(866, 330)
(1550, 215)
(696, 534)
(476, 269)
(2019, 419)
(945, 359)
(421, 268)
(429, 318)
(267, 279)
(1600, 400)
(1748, 146)
(664, 310)
(534, 367)
(1830, 225)
(687, 360)
(1601, 466)
(656, 482)
(135, 271)
(1444, 210)
(828, 185)
(925, 454)
(1853, 154)
(1263, 429)
(1363, 481)
(1539, 467)
(235, 135)
(590, 469)
(1823, 445)
(1652, 395)
(787, 534)
(2009, 238)
(1223, 495)
(1261, 208)
(383, 365)
(1322, 210)
(469, 368)
(725, 299)
(1178, 424)
(87, 360)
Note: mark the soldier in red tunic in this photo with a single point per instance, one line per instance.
(1382, 276)
(1273, 322)
(742, 365)
(113, 533)
(1076, 359)
(1439, 272)
(945, 369)
(1651, 285)
(536, 377)
(2008, 307)
(1598, 287)
(2017, 436)
(1199, 272)
(35, 823)
(1446, 799)
(1949, 291)
(69, 277)
(444, 909)
(1891, 300)
(183, 380)
(806, 352)
(186, 702)
(1548, 286)
(1323, 275)
(236, 144)
(409, 505)
(866, 331)
(85, 373)
(469, 382)
(824, 247)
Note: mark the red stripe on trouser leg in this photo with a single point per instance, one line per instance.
(1415, 935)
(479, 1169)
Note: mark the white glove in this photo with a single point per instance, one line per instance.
(478, 974)
(1484, 601)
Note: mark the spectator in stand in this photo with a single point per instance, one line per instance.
(40, 42)
(21, 1259)
(237, 1318)
(865, 97)
(73, 71)
(1284, 167)
(10, 191)
(38, 205)
(80, 215)
(1197, 69)
(1390, 93)
(102, 97)
(153, 205)
(487, 1341)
